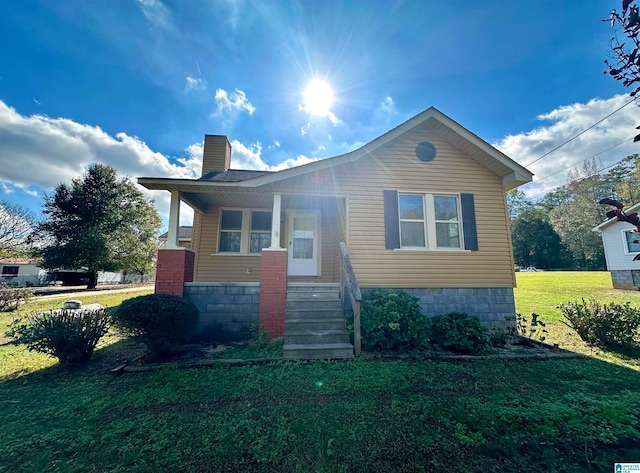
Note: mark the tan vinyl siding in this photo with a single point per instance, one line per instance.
(218, 268)
(339, 235)
(397, 168)
(217, 153)
(195, 240)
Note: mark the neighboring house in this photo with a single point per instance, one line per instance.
(21, 272)
(421, 208)
(619, 250)
(184, 237)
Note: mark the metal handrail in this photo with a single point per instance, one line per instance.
(354, 294)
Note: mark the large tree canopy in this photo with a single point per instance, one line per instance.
(16, 228)
(99, 223)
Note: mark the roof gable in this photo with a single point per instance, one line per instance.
(512, 173)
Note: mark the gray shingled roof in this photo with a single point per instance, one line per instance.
(184, 233)
(232, 175)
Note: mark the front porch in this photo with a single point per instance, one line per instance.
(312, 324)
(247, 259)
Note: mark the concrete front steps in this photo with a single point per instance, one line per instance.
(315, 327)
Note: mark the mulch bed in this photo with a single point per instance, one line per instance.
(205, 355)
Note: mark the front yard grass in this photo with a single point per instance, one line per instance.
(542, 292)
(365, 415)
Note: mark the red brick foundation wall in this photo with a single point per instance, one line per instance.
(273, 292)
(174, 268)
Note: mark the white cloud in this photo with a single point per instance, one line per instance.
(562, 124)
(250, 157)
(40, 152)
(335, 121)
(236, 100)
(247, 157)
(155, 12)
(388, 106)
(292, 162)
(193, 83)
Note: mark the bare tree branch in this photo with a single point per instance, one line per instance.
(17, 224)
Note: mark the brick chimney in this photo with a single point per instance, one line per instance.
(217, 154)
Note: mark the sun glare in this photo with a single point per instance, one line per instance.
(318, 97)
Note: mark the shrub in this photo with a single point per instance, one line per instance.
(609, 326)
(11, 298)
(392, 320)
(459, 332)
(158, 320)
(534, 328)
(68, 335)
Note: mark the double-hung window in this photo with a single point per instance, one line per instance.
(631, 236)
(412, 221)
(260, 231)
(447, 220)
(429, 221)
(244, 231)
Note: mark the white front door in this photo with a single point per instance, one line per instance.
(303, 243)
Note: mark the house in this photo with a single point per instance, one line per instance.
(184, 237)
(21, 272)
(619, 250)
(421, 208)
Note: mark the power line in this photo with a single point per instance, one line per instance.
(557, 187)
(580, 162)
(582, 132)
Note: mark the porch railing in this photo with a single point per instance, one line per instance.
(348, 278)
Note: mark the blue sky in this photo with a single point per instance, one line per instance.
(137, 83)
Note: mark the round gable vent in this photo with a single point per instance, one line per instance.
(425, 151)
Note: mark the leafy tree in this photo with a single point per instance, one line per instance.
(553, 199)
(624, 178)
(624, 62)
(574, 218)
(16, 229)
(536, 243)
(100, 223)
(518, 203)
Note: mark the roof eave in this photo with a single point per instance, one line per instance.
(606, 223)
(515, 179)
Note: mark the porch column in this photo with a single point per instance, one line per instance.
(174, 220)
(175, 266)
(273, 291)
(275, 221)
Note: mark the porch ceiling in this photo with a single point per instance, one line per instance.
(204, 201)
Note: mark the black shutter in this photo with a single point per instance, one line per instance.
(391, 221)
(469, 222)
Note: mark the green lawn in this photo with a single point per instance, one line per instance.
(578, 415)
(542, 292)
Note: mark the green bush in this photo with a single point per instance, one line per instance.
(392, 321)
(68, 335)
(158, 320)
(459, 332)
(11, 298)
(609, 326)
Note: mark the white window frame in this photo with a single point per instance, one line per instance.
(245, 231)
(431, 240)
(625, 245)
(412, 220)
(251, 230)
